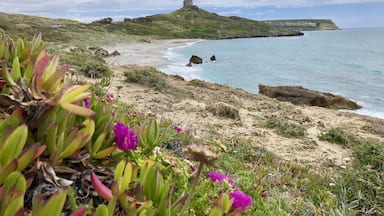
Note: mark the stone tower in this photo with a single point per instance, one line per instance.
(187, 3)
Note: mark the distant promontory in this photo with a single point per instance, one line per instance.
(304, 24)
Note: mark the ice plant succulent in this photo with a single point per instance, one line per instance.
(177, 129)
(240, 199)
(110, 96)
(219, 177)
(125, 138)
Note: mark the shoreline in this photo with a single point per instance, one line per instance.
(152, 54)
(145, 53)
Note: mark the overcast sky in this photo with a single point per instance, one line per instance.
(345, 13)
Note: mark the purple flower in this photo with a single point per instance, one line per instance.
(86, 102)
(216, 176)
(240, 200)
(125, 138)
(110, 96)
(177, 129)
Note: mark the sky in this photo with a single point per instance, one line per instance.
(345, 13)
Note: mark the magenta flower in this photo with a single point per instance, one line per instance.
(110, 96)
(125, 138)
(216, 176)
(177, 129)
(86, 102)
(240, 200)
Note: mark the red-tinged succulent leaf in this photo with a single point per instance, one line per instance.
(79, 212)
(20, 212)
(18, 114)
(27, 156)
(39, 151)
(8, 169)
(41, 64)
(100, 188)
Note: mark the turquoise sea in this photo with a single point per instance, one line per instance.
(346, 62)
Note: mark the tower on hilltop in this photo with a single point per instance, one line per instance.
(187, 3)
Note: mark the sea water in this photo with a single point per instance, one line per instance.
(349, 63)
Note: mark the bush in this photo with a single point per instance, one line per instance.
(147, 76)
(95, 69)
(335, 135)
(285, 128)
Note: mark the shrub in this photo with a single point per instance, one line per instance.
(95, 69)
(146, 76)
(285, 128)
(335, 135)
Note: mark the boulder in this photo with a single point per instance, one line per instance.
(195, 60)
(102, 53)
(213, 58)
(115, 53)
(104, 21)
(302, 96)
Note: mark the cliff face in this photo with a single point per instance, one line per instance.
(304, 24)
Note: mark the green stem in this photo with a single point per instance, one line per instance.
(194, 184)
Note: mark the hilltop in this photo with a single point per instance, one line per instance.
(193, 22)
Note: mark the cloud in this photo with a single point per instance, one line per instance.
(28, 6)
(89, 10)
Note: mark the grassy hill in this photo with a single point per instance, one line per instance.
(304, 24)
(193, 22)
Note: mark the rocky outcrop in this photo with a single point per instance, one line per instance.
(302, 96)
(102, 53)
(104, 21)
(195, 60)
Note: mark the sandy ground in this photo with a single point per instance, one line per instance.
(144, 53)
(187, 104)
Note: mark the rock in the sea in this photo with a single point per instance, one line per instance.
(302, 96)
(196, 59)
(213, 58)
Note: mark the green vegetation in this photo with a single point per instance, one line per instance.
(285, 128)
(147, 76)
(336, 135)
(303, 24)
(195, 23)
(361, 187)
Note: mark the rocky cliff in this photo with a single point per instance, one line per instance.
(304, 24)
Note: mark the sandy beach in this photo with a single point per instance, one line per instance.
(144, 53)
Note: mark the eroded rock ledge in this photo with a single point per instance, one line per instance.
(301, 96)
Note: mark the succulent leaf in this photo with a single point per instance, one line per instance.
(100, 188)
(13, 145)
